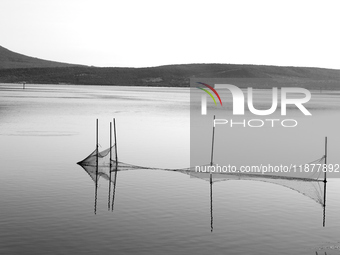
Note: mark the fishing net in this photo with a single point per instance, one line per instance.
(309, 183)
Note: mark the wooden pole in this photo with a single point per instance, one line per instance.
(116, 168)
(116, 147)
(211, 163)
(325, 173)
(96, 187)
(212, 143)
(212, 150)
(110, 143)
(109, 199)
(325, 186)
(97, 144)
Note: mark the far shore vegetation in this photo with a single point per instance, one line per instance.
(18, 68)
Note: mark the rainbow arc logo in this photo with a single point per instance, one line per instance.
(209, 93)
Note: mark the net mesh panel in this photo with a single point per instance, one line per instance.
(312, 188)
(308, 183)
(103, 158)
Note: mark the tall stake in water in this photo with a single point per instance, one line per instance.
(108, 206)
(212, 144)
(114, 125)
(116, 168)
(97, 144)
(325, 174)
(211, 163)
(96, 188)
(324, 184)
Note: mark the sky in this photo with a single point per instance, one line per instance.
(144, 33)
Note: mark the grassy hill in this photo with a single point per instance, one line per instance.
(10, 59)
(17, 68)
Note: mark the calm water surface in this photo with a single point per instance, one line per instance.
(47, 201)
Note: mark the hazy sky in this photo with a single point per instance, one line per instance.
(150, 33)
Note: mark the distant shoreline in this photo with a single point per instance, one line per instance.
(19, 68)
(19, 85)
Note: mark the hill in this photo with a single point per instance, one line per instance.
(15, 67)
(10, 59)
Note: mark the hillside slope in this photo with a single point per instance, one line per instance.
(10, 59)
(16, 67)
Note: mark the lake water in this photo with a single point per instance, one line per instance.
(47, 201)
